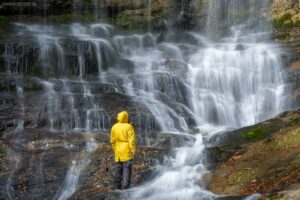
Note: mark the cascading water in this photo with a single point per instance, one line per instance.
(183, 83)
(15, 160)
(235, 81)
(20, 97)
(72, 178)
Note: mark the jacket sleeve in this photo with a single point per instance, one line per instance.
(112, 139)
(132, 140)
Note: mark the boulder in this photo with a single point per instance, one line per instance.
(262, 158)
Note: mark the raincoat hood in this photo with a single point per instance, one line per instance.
(123, 117)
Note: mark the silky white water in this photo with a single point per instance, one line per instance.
(235, 81)
(73, 175)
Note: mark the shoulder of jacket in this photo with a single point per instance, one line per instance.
(130, 126)
(114, 125)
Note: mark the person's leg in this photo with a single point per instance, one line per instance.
(127, 170)
(118, 175)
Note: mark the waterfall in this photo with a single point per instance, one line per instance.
(236, 80)
(20, 94)
(73, 175)
(227, 77)
(14, 162)
(234, 16)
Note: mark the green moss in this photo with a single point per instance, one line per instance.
(243, 176)
(29, 86)
(2, 150)
(138, 19)
(290, 139)
(4, 25)
(68, 18)
(286, 22)
(2, 48)
(295, 121)
(36, 70)
(131, 19)
(222, 154)
(278, 23)
(297, 23)
(263, 130)
(255, 134)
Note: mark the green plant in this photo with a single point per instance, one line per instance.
(36, 70)
(30, 86)
(284, 20)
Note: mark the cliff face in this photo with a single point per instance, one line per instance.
(120, 12)
(281, 8)
(286, 18)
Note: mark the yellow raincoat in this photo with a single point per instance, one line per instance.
(122, 138)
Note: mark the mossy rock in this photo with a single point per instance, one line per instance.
(259, 159)
(242, 176)
(131, 19)
(36, 70)
(3, 161)
(261, 132)
(4, 26)
(285, 21)
(31, 86)
(69, 18)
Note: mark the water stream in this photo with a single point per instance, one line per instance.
(236, 80)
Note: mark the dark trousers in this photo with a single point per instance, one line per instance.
(123, 171)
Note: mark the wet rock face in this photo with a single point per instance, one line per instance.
(134, 13)
(34, 164)
(31, 173)
(28, 55)
(100, 172)
(245, 158)
(293, 77)
(288, 37)
(32, 107)
(34, 161)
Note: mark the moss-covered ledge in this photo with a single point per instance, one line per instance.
(264, 158)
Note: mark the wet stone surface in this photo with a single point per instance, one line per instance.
(34, 164)
(263, 158)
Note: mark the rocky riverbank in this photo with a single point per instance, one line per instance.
(263, 158)
(34, 164)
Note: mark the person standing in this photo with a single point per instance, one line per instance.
(123, 142)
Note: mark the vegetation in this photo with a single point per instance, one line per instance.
(36, 70)
(31, 86)
(286, 21)
(4, 26)
(68, 18)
